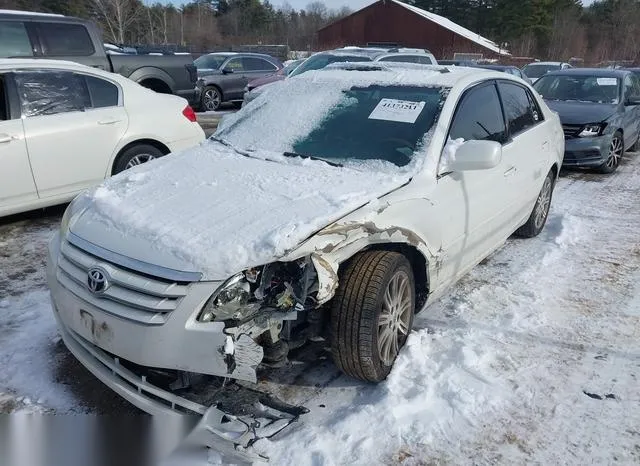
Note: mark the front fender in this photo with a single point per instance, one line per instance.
(337, 243)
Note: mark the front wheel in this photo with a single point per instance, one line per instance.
(538, 217)
(372, 314)
(211, 99)
(616, 149)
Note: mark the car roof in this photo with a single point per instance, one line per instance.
(10, 64)
(238, 54)
(547, 63)
(403, 74)
(596, 72)
(489, 66)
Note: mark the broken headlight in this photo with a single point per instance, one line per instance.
(279, 287)
(232, 301)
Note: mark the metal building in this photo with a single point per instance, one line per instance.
(391, 22)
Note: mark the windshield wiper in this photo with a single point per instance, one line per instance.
(311, 157)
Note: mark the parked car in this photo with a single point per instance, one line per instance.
(64, 127)
(456, 62)
(514, 70)
(277, 232)
(223, 76)
(277, 76)
(40, 35)
(318, 61)
(407, 55)
(600, 114)
(535, 71)
(635, 71)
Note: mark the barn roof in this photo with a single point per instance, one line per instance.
(451, 26)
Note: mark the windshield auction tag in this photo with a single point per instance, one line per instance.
(607, 81)
(403, 111)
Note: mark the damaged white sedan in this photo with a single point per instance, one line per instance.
(333, 207)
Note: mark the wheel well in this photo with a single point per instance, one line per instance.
(554, 169)
(151, 142)
(418, 265)
(156, 85)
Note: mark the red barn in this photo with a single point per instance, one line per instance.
(394, 22)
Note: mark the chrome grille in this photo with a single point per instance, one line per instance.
(571, 131)
(130, 295)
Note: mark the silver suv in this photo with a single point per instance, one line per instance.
(223, 76)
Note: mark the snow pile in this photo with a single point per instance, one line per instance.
(214, 211)
(449, 153)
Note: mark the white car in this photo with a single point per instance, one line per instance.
(65, 127)
(335, 205)
(536, 70)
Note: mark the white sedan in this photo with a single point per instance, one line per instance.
(335, 205)
(64, 127)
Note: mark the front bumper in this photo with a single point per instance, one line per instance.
(586, 152)
(110, 345)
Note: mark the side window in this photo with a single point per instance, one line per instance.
(60, 39)
(479, 116)
(102, 93)
(51, 92)
(425, 60)
(4, 107)
(517, 107)
(630, 87)
(14, 40)
(257, 64)
(235, 65)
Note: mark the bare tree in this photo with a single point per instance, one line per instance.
(118, 16)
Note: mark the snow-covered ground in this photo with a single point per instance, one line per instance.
(534, 357)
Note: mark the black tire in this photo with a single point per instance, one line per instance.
(357, 309)
(211, 99)
(616, 150)
(538, 217)
(141, 153)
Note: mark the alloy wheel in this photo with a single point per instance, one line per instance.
(139, 160)
(212, 99)
(543, 203)
(395, 317)
(615, 152)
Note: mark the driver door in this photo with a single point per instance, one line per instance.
(471, 205)
(234, 79)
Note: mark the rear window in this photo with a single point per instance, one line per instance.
(14, 40)
(59, 39)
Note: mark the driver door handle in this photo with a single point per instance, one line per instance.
(511, 171)
(108, 122)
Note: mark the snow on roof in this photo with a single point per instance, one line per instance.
(450, 25)
(27, 13)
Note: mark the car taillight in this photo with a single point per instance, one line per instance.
(189, 114)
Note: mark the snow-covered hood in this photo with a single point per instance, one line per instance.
(213, 211)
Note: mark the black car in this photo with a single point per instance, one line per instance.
(514, 70)
(457, 63)
(600, 114)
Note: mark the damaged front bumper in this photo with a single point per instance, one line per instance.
(230, 434)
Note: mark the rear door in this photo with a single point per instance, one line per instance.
(526, 150)
(72, 124)
(256, 67)
(17, 186)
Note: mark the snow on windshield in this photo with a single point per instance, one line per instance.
(363, 116)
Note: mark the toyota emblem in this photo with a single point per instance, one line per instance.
(97, 280)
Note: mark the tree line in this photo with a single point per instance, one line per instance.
(551, 29)
(547, 29)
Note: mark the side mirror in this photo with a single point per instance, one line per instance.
(474, 155)
(227, 71)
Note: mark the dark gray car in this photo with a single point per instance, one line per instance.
(223, 76)
(600, 114)
(505, 69)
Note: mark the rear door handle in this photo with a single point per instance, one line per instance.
(510, 171)
(108, 122)
(5, 138)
